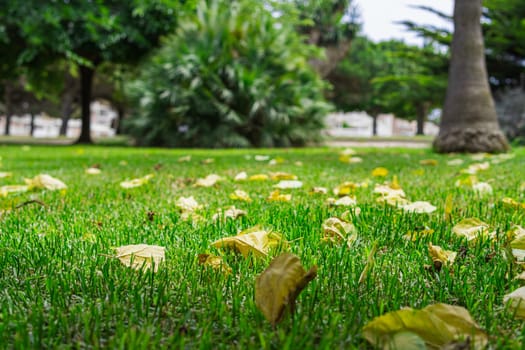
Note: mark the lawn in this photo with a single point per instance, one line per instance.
(62, 286)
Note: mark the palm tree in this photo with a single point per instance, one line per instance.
(469, 121)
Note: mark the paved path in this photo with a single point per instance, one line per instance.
(380, 144)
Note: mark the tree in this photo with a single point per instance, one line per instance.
(469, 122)
(232, 76)
(389, 77)
(88, 33)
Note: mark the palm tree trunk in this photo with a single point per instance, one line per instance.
(469, 122)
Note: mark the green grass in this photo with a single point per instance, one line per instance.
(61, 288)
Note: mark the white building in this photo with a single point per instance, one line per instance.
(360, 124)
(102, 121)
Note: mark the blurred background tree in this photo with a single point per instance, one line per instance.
(233, 75)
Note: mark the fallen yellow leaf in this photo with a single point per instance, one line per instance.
(187, 204)
(380, 172)
(215, 262)
(419, 207)
(287, 184)
(240, 195)
(228, 213)
(241, 176)
(277, 287)
(254, 240)
(336, 230)
(136, 182)
(431, 162)
(259, 177)
(4, 174)
(6, 190)
(516, 302)
(472, 229)
(44, 181)
(208, 181)
(282, 176)
(445, 257)
(139, 256)
(93, 171)
(276, 196)
(438, 325)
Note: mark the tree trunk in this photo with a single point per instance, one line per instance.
(8, 108)
(86, 79)
(68, 98)
(469, 121)
(120, 116)
(422, 111)
(374, 124)
(32, 125)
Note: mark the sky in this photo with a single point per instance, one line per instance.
(378, 17)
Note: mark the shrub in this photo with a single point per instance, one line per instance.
(231, 76)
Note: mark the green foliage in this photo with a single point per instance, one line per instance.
(390, 77)
(504, 34)
(232, 76)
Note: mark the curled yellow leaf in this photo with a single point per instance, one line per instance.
(277, 287)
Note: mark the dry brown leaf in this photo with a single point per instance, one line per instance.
(419, 207)
(277, 287)
(139, 256)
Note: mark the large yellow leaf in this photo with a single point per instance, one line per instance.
(517, 236)
(279, 285)
(45, 181)
(139, 256)
(516, 302)
(438, 325)
(136, 182)
(472, 229)
(254, 240)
